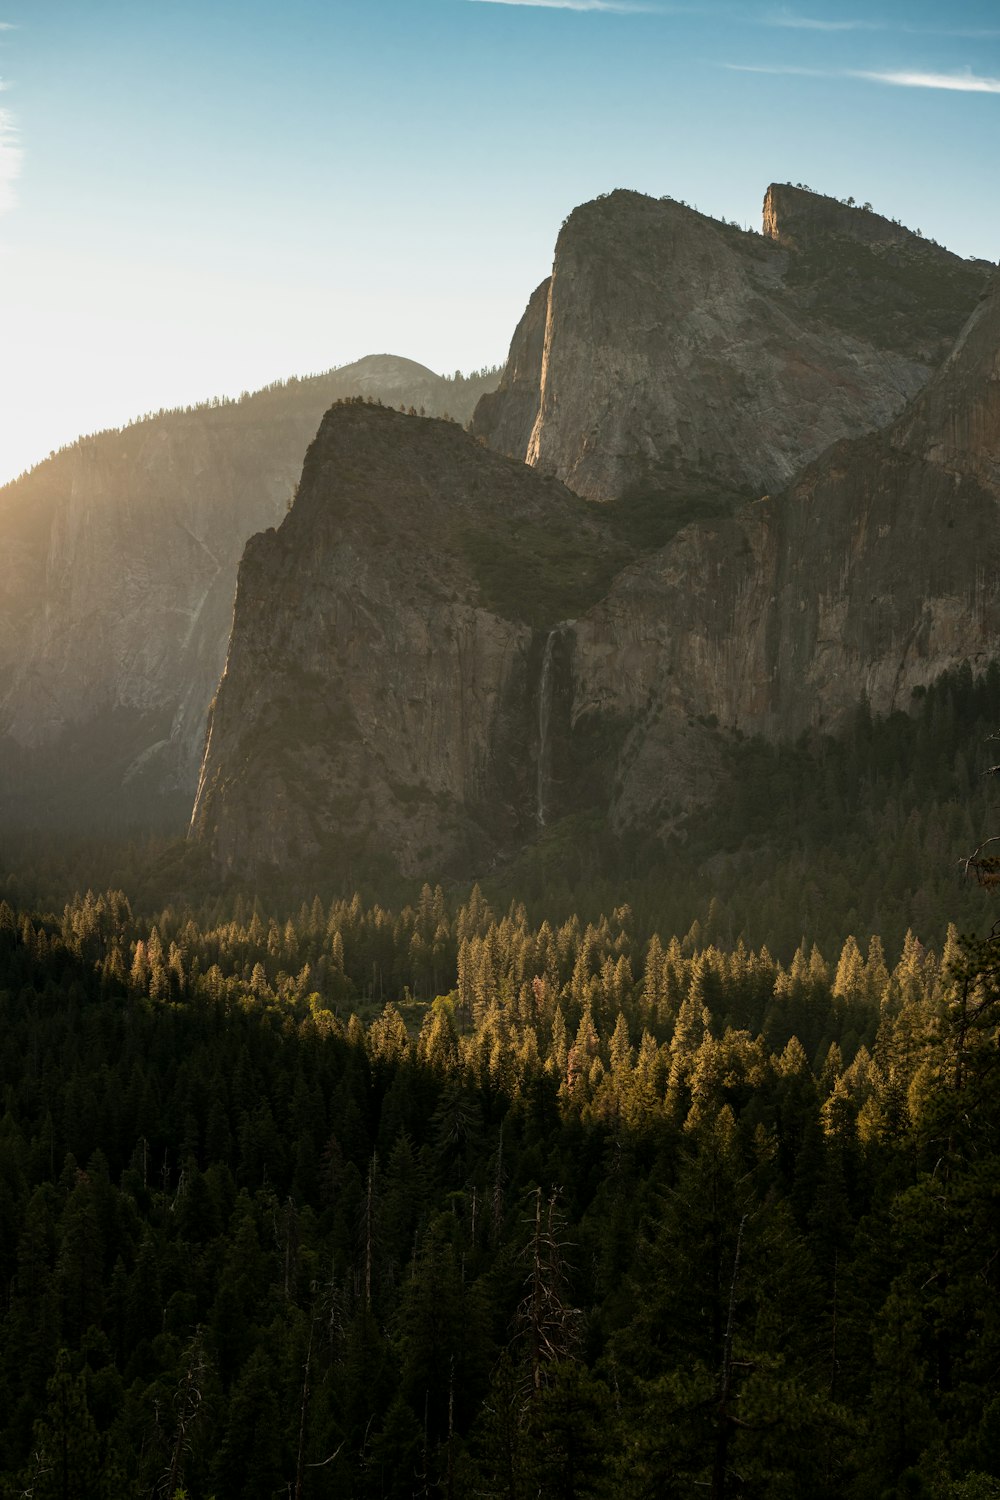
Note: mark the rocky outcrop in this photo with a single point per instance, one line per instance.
(505, 418)
(118, 561)
(799, 218)
(379, 700)
(870, 276)
(684, 357)
(875, 572)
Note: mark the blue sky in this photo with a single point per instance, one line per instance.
(199, 198)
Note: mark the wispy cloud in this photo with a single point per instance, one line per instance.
(623, 7)
(793, 22)
(965, 82)
(10, 159)
(777, 71)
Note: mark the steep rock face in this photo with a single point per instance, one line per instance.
(685, 357)
(875, 572)
(440, 652)
(505, 418)
(379, 697)
(118, 562)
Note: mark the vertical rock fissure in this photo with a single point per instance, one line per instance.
(559, 635)
(544, 718)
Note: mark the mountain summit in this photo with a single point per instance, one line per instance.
(671, 355)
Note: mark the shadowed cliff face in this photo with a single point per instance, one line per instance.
(380, 694)
(683, 357)
(118, 562)
(440, 652)
(875, 572)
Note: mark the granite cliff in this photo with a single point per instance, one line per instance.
(441, 648)
(441, 651)
(379, 699)
(670, 355)
(118, 561)
(874, 572)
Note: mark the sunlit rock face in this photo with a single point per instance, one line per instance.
(505, 418)
(673, 355)
(877, 570)
(118, 561)
(379, 697)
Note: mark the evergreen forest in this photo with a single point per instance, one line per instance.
(620, 1175)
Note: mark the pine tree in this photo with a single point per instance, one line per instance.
(67, 1462)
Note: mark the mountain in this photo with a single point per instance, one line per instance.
(676, 359)
(875, 572)
(379, 694)
(440, 651)
(118, 561)
(672, 367)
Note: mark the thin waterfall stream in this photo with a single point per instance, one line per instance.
(544, 715)
(546, 688)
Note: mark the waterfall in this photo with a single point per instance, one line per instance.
(544, 715)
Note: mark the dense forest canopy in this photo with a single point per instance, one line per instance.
(440, 1199)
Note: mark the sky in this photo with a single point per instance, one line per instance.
(199, 198)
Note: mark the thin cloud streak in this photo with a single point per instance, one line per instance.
(961, 33)
(779, 71)
(788, 19)
(621, 7)
(10, 159)
(792, 21)
(960, 83)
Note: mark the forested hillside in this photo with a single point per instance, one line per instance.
(441, 1202)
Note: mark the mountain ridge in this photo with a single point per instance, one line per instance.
(675, 354)
(117, 577)
(876, 571)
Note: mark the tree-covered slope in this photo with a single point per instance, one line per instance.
(606, 1219)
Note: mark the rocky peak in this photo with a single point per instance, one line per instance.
(624, 222)
(868, 277)
(678, 360)
(797, 216)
